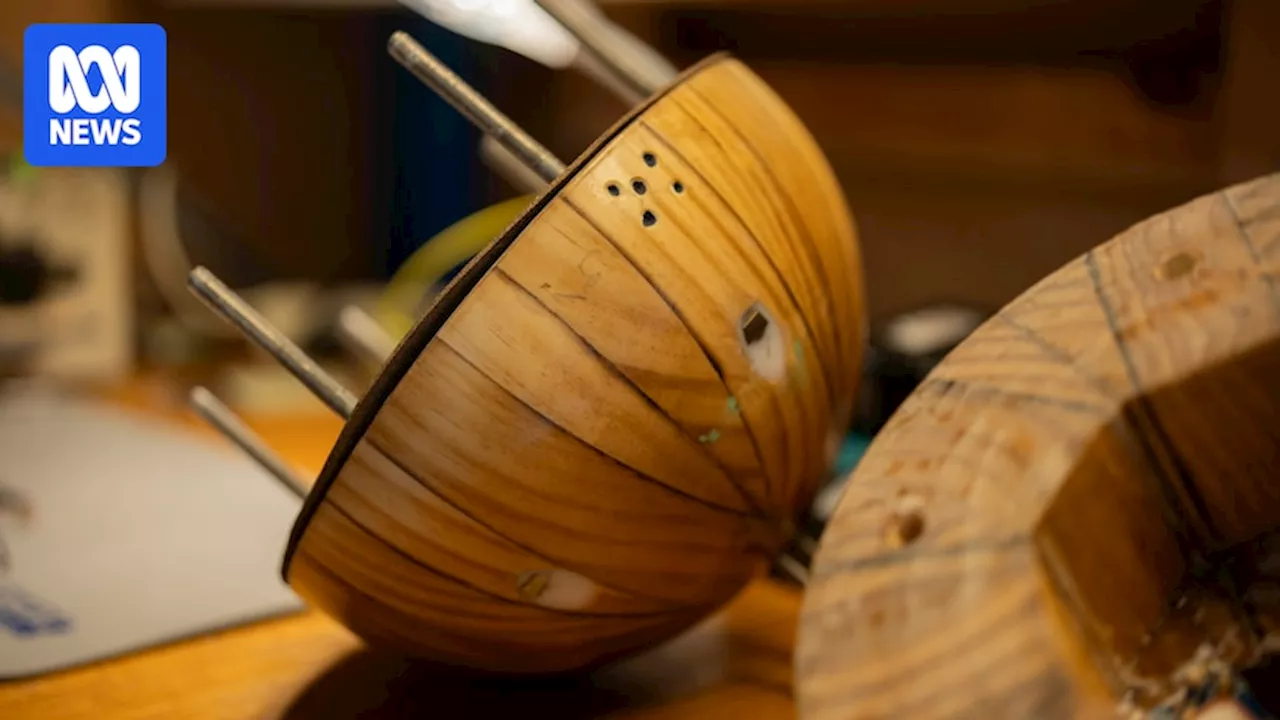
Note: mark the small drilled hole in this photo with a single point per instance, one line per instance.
(648, 218)
(613, 189)
(639, 186)
(677, 187)
(906, 528)
(650, 159)
(1177, 266)
(906, 524)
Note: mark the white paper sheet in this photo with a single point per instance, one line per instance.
(136, 533)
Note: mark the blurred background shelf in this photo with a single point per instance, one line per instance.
(982, 143)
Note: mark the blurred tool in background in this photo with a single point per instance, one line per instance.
(66, 296)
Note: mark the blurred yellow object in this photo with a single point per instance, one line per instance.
(414, 284)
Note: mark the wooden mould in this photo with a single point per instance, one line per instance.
(1076, 514)
(609, 421)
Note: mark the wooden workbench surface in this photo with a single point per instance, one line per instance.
(737, 664)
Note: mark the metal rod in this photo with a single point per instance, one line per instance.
(464, 98)
(364, 336)
(589, 64)
(226, 422)
(239, 313)
(807, 544)
(510, 167)
(629, 59)
(793, 569)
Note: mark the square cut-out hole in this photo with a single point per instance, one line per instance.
(764, 343)
(754, 325)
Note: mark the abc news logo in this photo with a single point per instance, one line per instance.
(95, 95)
(121, 90)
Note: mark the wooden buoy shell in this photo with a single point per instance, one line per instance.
(606, 425)
(1075, 515)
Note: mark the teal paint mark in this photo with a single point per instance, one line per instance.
(710, 437)
(851, 451)
(732, 404)
(799, 374)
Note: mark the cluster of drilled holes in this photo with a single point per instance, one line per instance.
(639, 187)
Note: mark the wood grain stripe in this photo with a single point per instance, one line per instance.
(816, 419)
(374, 492)
(730, 473)
(767, 251)
(791, 231)
(778, 457)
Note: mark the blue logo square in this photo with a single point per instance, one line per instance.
(94, 95)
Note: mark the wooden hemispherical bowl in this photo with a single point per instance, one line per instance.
(608, 422)
(1077, 514)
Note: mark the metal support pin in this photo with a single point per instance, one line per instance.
(239, 313)
(510, 167)
(806, 543)
(792, 568)
(626, 57)
(225, 421)
(364, 336)
(464, 98)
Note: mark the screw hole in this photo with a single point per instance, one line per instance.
(613, 189)
(648, 219)
(907, 528)
(677, 187)
(639, 186)
(906, 524)
(1177, 266)
(650, 159)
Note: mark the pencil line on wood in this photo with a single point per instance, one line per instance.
(1166, 465)
(1246, 237)
(613, 370)
(794, 435)
(488, 526)
(393, 547)
(807, 324)
(806, 240)
(1056, 353)
(945, 384)
(803, 238)
(702, 345)
(550, 421)
(911, 554)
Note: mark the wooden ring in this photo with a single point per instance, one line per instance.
(1077, 509)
